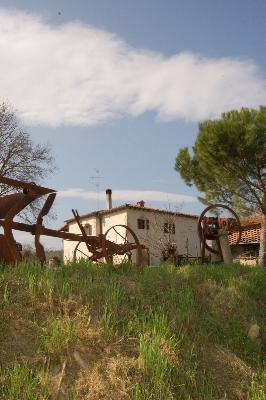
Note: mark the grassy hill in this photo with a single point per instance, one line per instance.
(87, 332)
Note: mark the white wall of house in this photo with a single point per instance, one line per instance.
(115, 218)
(154, 238)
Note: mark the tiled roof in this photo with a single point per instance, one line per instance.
(251, 229)
(254, 219)
(134, 207)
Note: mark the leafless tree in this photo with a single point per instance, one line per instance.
(20, 158)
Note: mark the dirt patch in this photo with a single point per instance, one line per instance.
(18, 341)
(105, 380)
(228, 372)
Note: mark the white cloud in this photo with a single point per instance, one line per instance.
(131, 195)
(76, 74)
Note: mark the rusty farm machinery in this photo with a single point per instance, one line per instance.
(216, 229)
(99, 248)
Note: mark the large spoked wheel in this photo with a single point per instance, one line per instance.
(121, 244)
(201, 226)
(81, 251)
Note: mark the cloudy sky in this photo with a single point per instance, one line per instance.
(117, 87)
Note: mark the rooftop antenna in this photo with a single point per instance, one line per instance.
(95, 180)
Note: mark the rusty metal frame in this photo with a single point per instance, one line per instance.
(11, 205)
(208, 229)
(123, 248)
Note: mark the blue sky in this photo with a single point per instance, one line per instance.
(119, 86)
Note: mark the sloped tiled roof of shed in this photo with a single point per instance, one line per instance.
(251, 229)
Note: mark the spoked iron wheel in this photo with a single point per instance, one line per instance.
(81, 252)
(208, 228)
(201, 224)
(121, 244)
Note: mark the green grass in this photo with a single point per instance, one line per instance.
(57, 334)
(21, 382)
(159, 333)
(258, 386)
(158, 354)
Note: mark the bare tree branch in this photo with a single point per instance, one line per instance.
(20, 158)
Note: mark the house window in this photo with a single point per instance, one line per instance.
(88, 229)
(143, 224)
(169, 228)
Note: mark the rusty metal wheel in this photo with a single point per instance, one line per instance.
(81, 251)
(201, 226)
(121, 244)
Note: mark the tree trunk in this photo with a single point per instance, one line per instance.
(262, 253)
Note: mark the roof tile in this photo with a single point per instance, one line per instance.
(134, 207)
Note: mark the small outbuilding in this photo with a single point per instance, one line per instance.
(247, 251)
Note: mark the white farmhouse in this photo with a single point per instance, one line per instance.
(157, 229)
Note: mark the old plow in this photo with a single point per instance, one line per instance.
(98, 248)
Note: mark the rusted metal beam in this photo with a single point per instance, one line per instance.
(75, 237)
(11, 205)
(19, 226)
(25, 185)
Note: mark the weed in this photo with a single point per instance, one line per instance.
(110, 317)
(185, 302)
(258, 386)
(180, 333)
(20, 382)
(6, 295)
(158, 350)
(57, 335)
(114, 294)
(33, 286)
(107, 321)
(47, 287)
(64, 289)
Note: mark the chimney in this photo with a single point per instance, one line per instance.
(108, 199)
